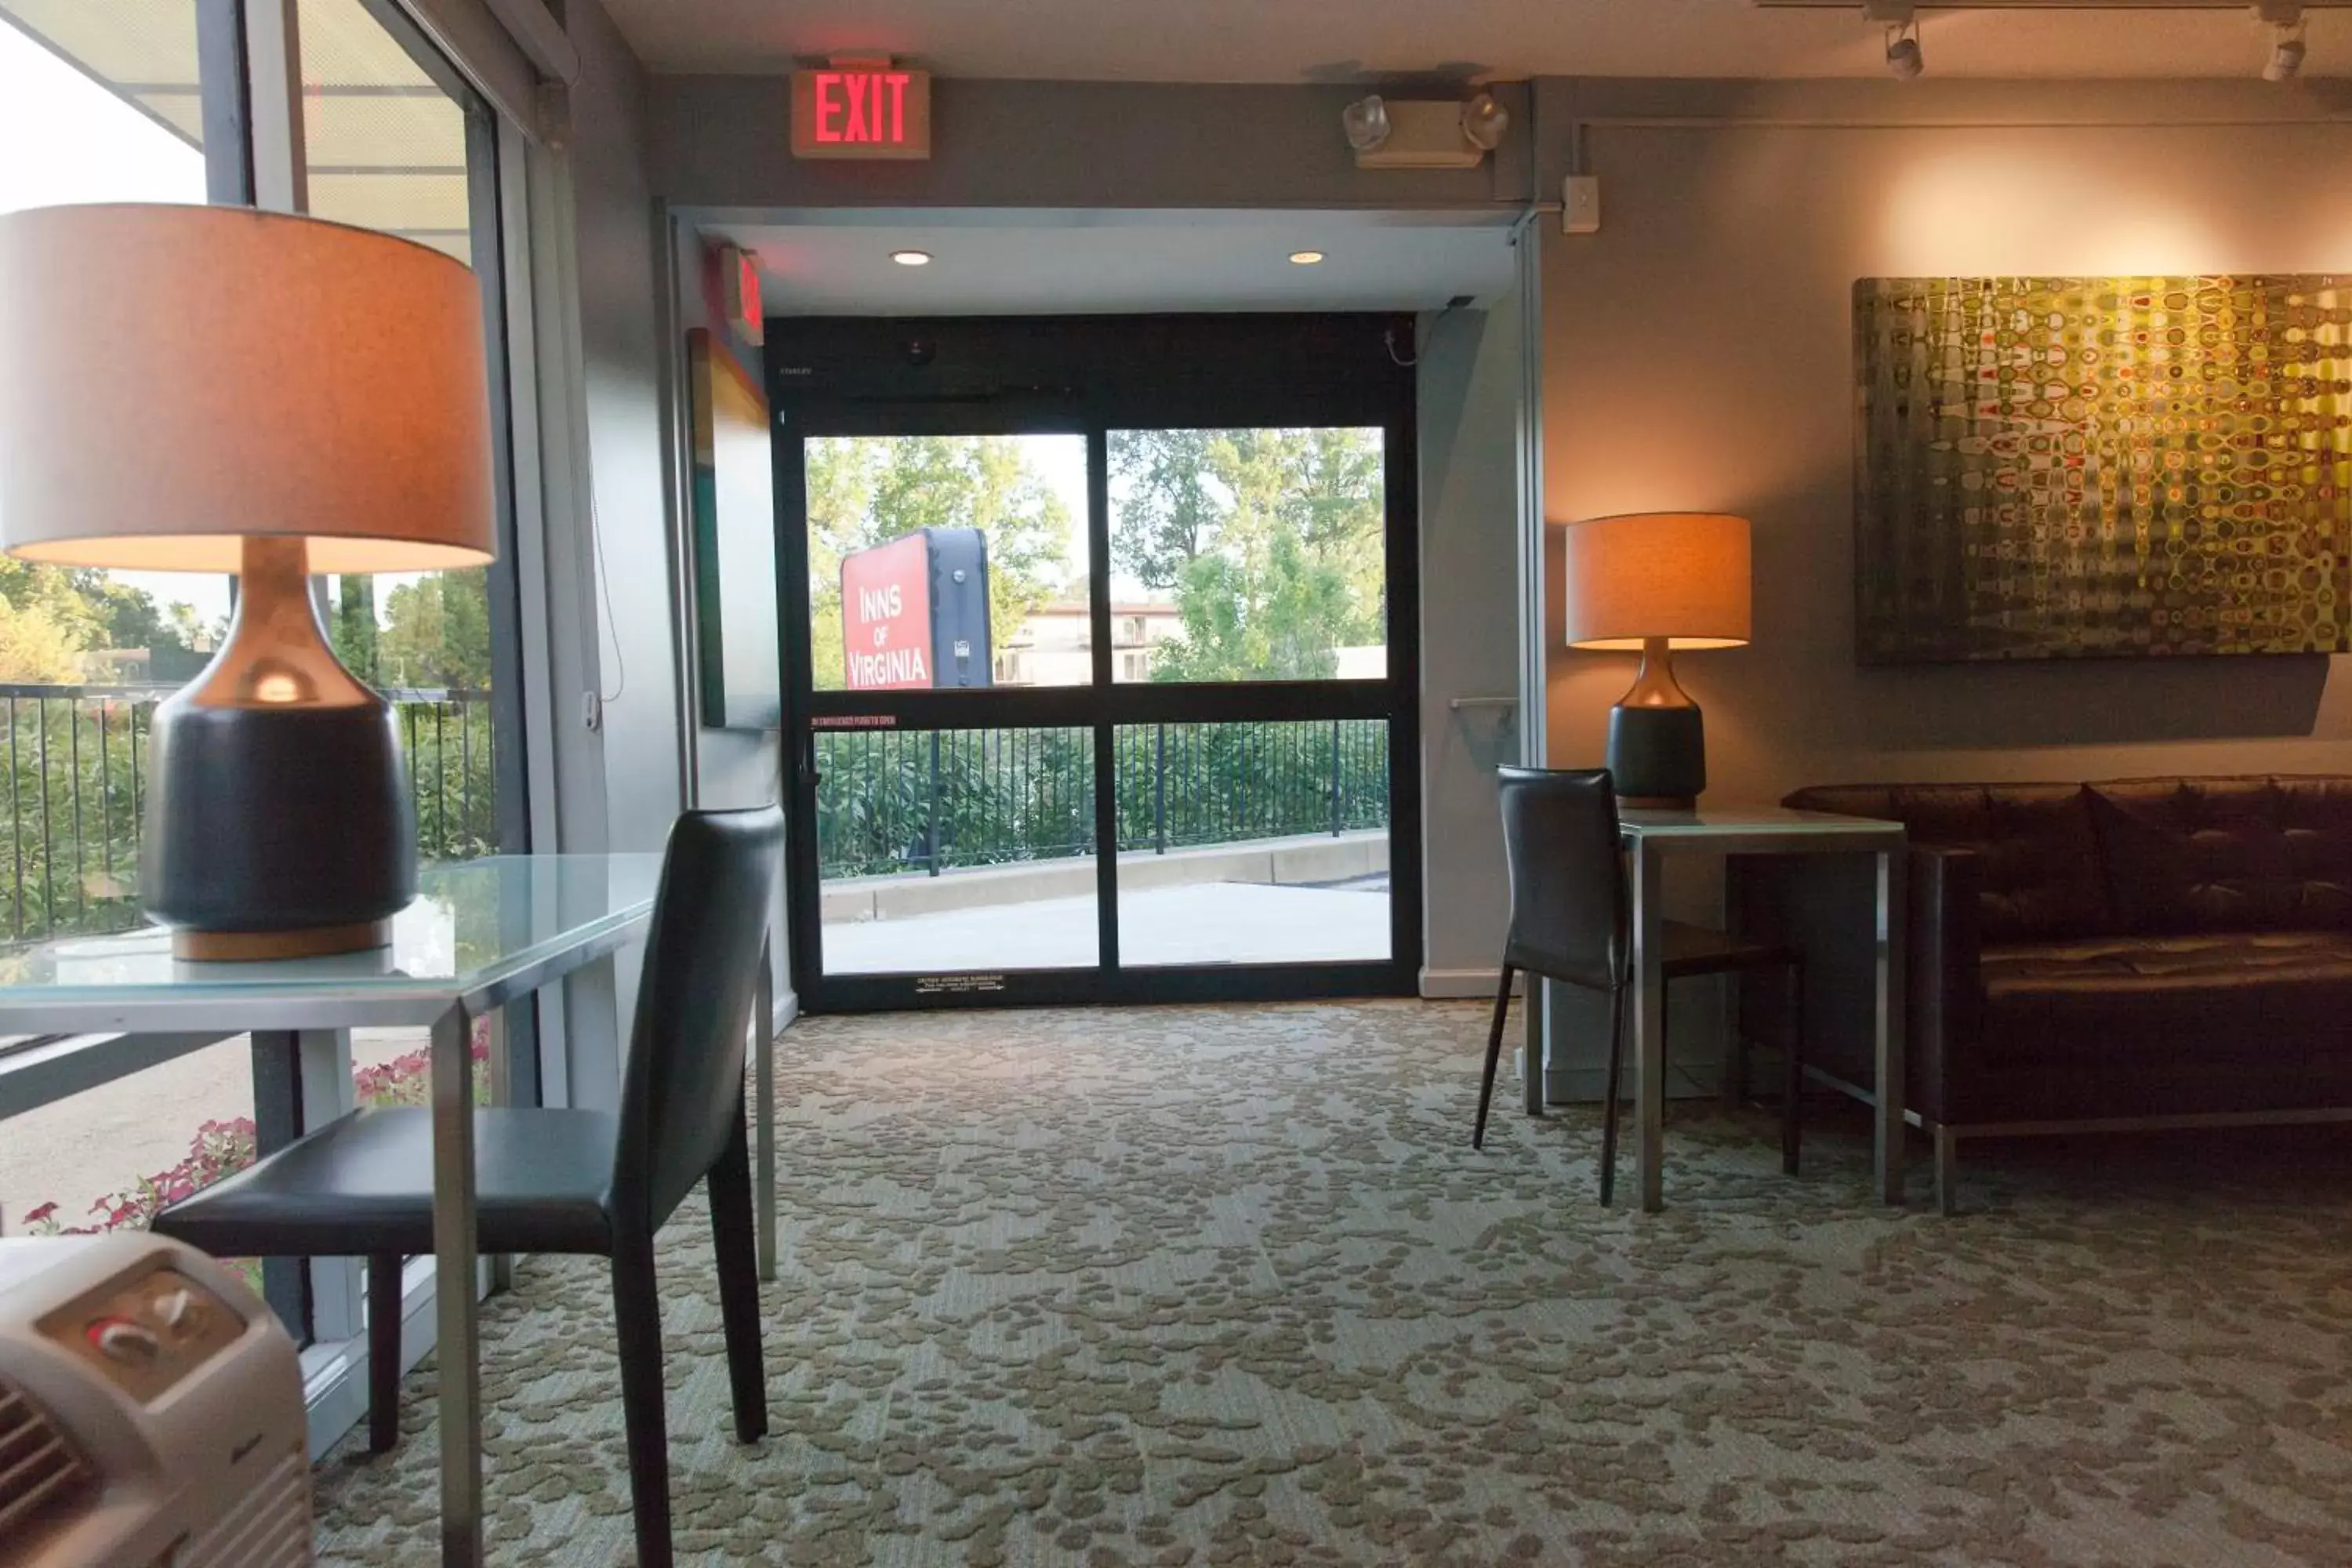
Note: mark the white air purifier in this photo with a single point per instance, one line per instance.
(151, 1412)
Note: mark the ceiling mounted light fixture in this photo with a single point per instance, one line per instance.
(1900, 19)
(1484, 122)
(1304, 258)
(911, 258)
(2284, 62)
(1366, 122)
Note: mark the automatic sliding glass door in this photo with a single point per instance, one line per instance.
(1092, 692)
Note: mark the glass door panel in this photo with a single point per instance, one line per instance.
(945, 851)
(1257, 841)
(947, 562)
(1248, 555)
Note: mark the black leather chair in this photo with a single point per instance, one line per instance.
(567, 1181)
(1570, 923)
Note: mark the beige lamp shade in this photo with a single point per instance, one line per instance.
(1681, 575)
(176, 379)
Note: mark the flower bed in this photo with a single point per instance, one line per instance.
(222, 1149)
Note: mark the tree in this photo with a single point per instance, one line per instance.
(1271, 541)
(35, 647)
(437, 633)
(868, 491)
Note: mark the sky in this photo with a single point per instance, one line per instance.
(93, 147)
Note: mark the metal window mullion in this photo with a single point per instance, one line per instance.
(273, 61)
(225, 102)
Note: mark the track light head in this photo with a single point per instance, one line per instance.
(2284, 62)
(1903, 59)
(1484, 122)
(1366, 122)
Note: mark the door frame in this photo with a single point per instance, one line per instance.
(1087, 375)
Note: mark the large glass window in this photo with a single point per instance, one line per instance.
(389, 147)
(107, 92)
(947, 562)
(1248, 555)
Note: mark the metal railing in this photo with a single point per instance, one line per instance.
(900, 802)
(76, 782)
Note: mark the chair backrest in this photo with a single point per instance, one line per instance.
(1568, 879)
(682, 1093)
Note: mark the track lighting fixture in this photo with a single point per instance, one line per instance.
(1904, 60)
(2284, 62)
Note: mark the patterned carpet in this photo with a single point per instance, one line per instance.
(1228, 1285)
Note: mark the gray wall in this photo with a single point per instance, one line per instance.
(1471, 364)
(1697, 355)
(733, 767)
(635, 765)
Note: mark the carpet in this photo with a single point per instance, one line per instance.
(1217, 1285)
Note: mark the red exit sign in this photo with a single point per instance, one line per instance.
(861, 111)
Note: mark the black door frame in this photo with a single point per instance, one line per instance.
(1087, 376)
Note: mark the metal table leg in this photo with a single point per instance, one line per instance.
(763, 1058)
(458, 1348)
(1887, 1024)
(1649, 1024)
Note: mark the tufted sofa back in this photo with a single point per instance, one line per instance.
(2036, 850)
(2265, 853)
(2139, 857)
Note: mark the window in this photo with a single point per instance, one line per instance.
(389, 147)
(108, 90)
(1260, 553)
(1135, 667)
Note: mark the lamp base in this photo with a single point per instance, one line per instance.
(279, 822)
(1657, 756)
(255, 947)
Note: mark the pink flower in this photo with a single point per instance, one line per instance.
(34, 1216)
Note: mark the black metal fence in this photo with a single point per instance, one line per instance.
(76, 758)
(896, 801)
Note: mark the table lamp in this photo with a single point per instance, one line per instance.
(217, 389)
(1656, 582)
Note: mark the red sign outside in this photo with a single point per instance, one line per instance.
(886, 616)
(861, 111)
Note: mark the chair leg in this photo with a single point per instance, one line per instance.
(1734, 1087)
(1495, 1055)
(384, 1352)
(729, 1183)
(1608, 1096)
(1947, 1171)
(636, 1315)
(1792, 1085)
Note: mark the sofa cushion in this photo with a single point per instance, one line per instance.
(2036, 851)
(2259, 995)
(2226, 854)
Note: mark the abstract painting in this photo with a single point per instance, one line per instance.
(2087, 467)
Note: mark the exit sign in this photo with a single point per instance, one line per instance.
(861, 111)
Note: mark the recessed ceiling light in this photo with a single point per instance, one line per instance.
(1304, 258)
(911, 258)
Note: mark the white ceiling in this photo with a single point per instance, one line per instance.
(1328, 40)
(1041, 263)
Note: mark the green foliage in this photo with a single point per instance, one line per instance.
(435, 633)
(868, 490)
(51, 614)
(1272, 541)
(36, 648)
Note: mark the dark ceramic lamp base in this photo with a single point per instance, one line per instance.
(1657, 741)
(279, 822)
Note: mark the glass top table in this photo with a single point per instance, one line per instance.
(481, 933)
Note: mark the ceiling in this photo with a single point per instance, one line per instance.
(1040, 263)
(1350, 40)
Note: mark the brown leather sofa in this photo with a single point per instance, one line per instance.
(2145, 952)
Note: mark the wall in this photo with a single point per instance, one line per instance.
(633, 770)
(1471, 365)
(731, 767)
(1697, 355)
